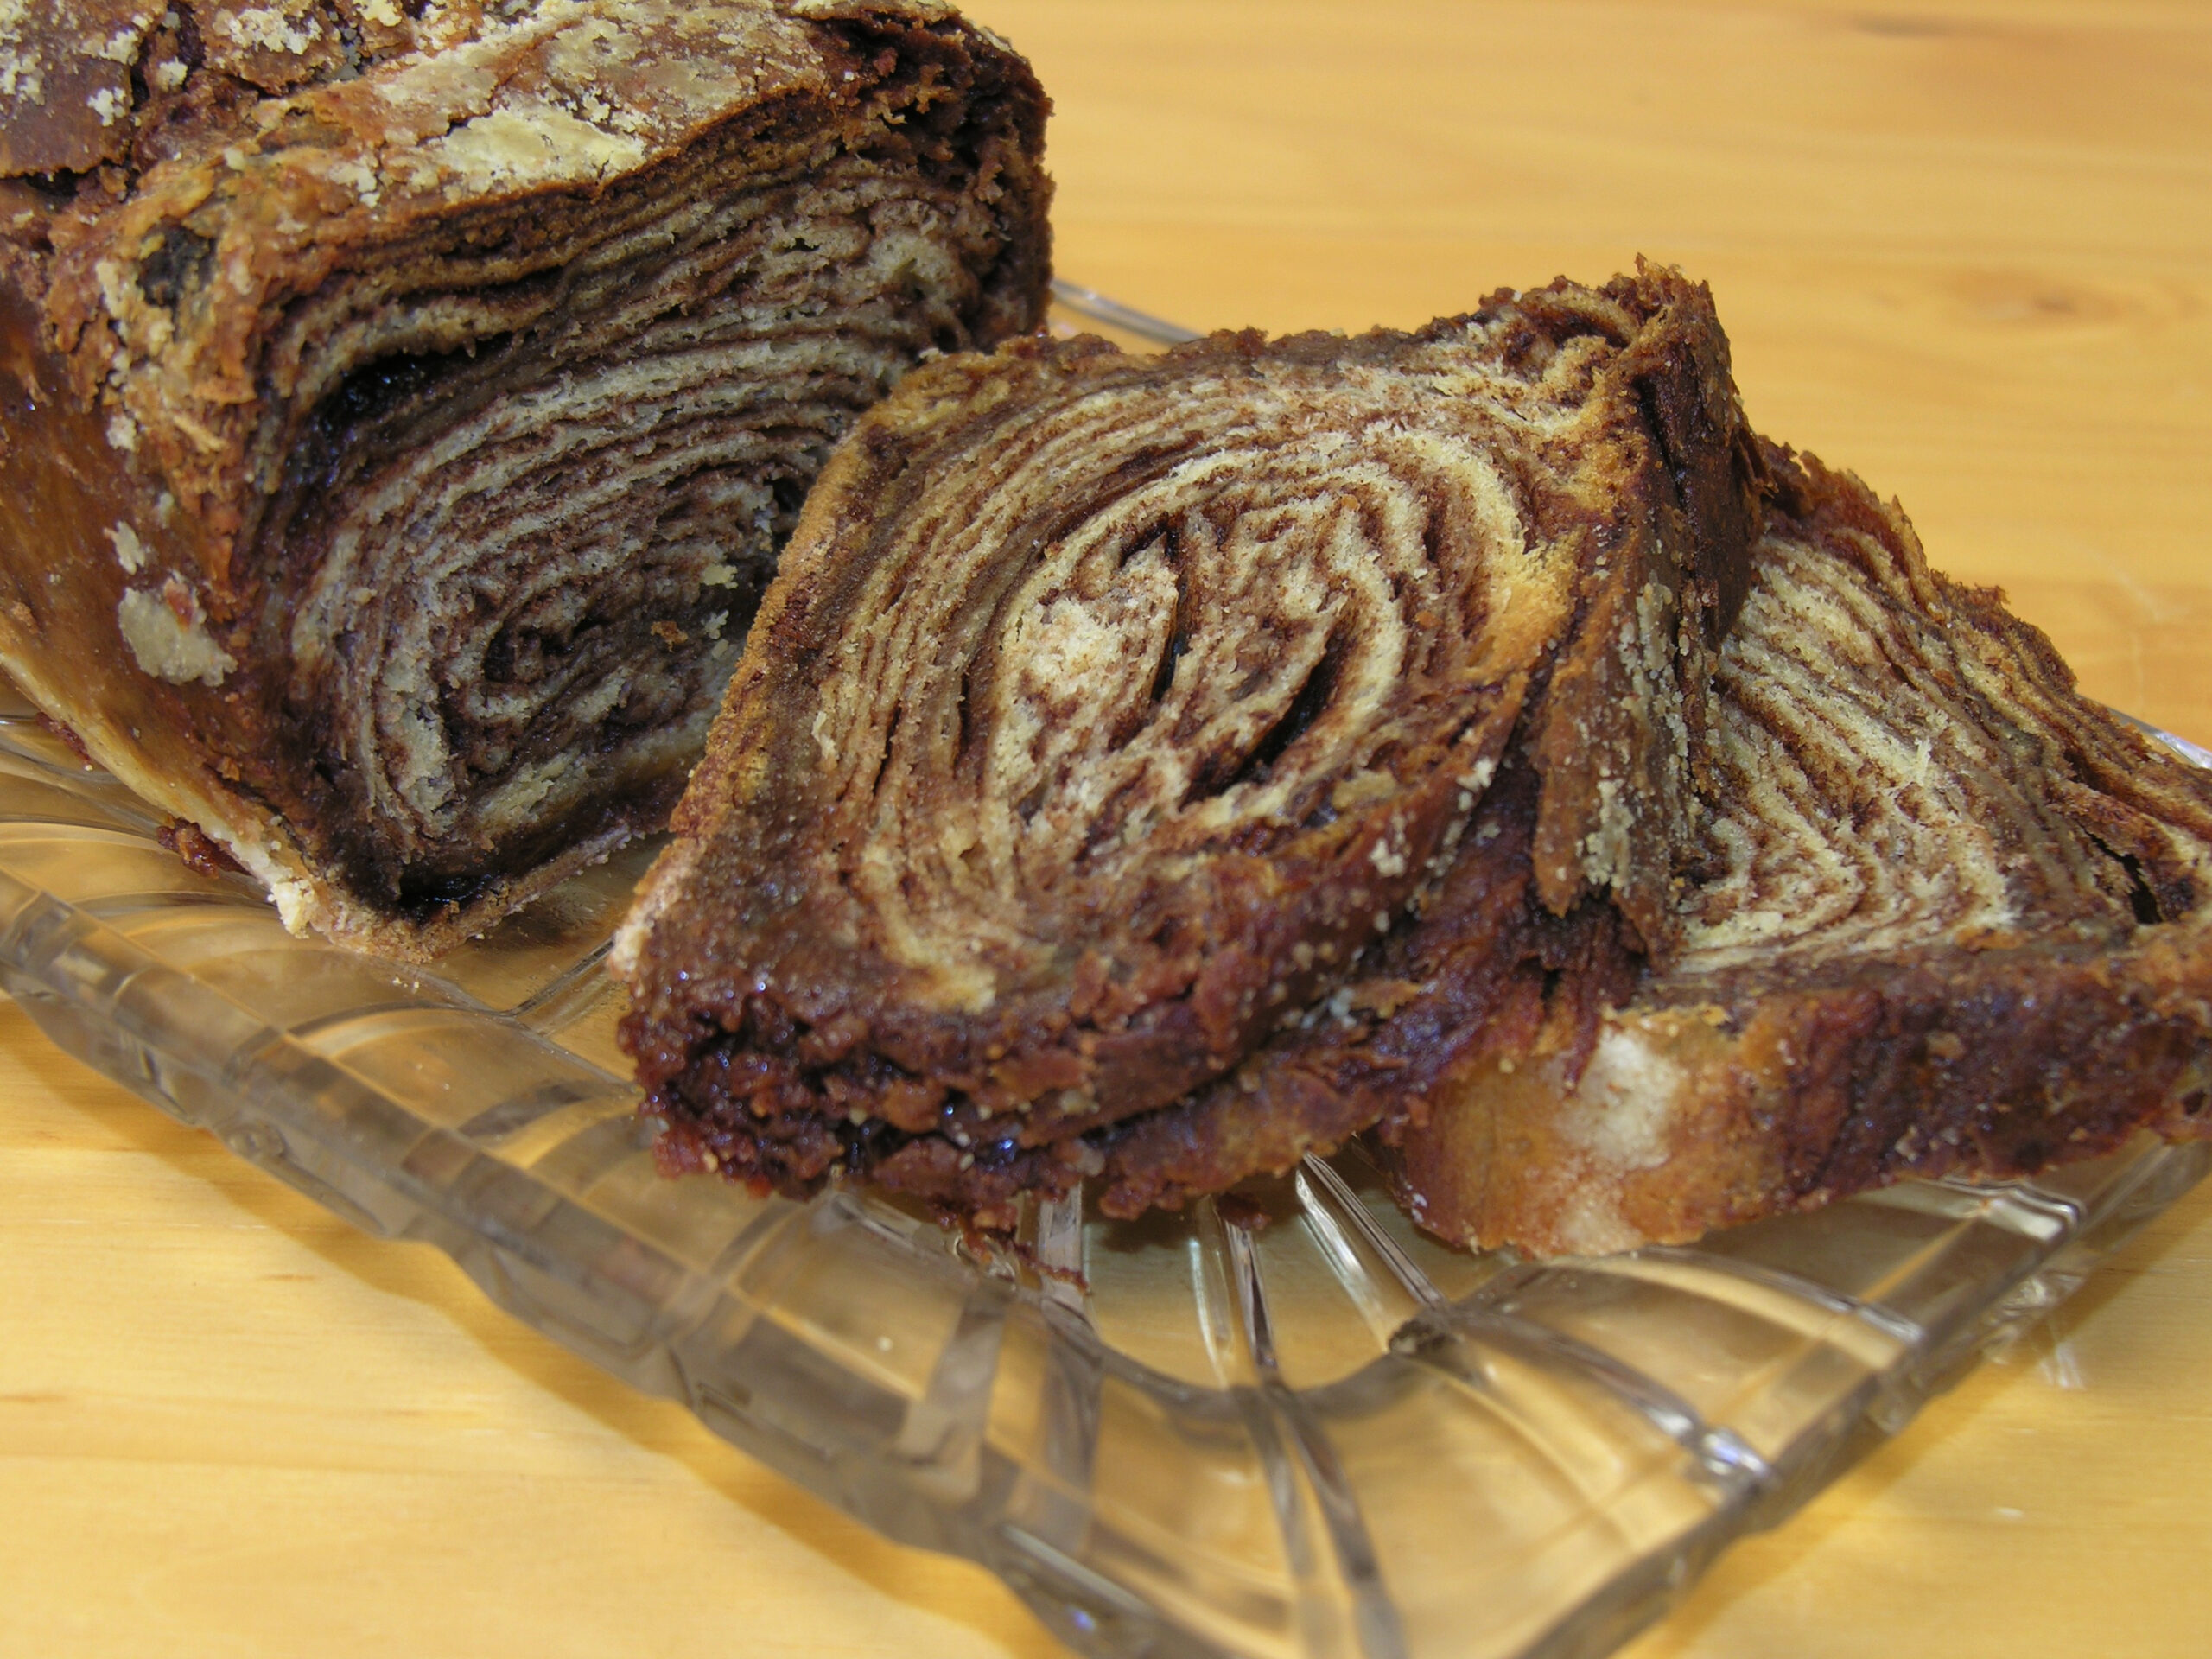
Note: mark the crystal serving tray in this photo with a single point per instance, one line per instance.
(1291, 1426)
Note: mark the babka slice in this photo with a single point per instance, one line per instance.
(1958, 921)
(1115, 721)
(404, 405)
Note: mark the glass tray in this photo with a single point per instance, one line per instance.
(1326, 1435)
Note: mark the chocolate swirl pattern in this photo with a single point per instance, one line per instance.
(450, 406)
(538, 563)
(1958, 920)
(1111, 714)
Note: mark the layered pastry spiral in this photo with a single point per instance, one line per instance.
(1115, 723)
(458, 398)
(1956, 918)
(534, 566)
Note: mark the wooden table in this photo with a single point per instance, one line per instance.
(1965, 249)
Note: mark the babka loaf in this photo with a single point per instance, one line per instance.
(1958, 920)
(1131, 766)
(401, 405)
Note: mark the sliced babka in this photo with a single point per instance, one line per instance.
(1957, 919)
(1139, 763)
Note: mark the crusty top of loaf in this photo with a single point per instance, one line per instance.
(85, 83)
(170, 179)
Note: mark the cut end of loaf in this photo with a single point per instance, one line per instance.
(1137, 758)
(454, 409)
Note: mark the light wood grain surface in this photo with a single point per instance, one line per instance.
(1965, 250)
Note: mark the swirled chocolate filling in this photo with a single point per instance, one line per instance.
(448, 401)
(1117, 725)
(1957, 920)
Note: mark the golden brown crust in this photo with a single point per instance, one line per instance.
(1960, 922)
(333, 293)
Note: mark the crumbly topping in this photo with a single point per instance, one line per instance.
(129, 551)
(533, 142)
(163, 284)
(168, 634)
(269, 29)
(65, 81)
